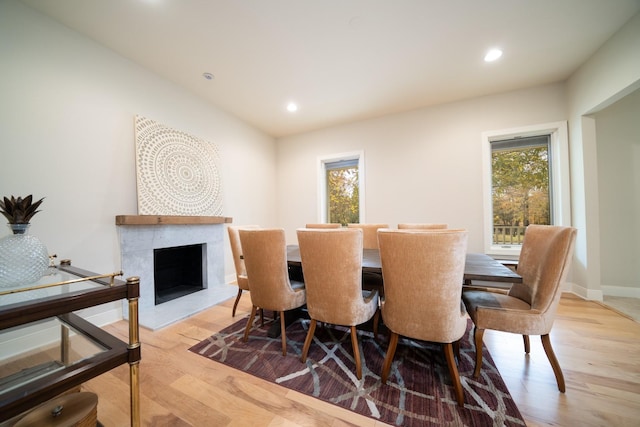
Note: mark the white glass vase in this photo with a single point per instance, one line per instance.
(23, 258)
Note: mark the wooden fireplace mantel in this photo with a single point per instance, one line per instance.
(170, 220)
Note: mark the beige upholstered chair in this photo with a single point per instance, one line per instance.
(421, 226)
(238, 262)
(324, 225)
(332, 266)
(423, 273)
(530, 307)
(369, 236)
(265, 259)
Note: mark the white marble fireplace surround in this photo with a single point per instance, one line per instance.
(141, 234)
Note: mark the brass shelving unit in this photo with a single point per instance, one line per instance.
(81, 289)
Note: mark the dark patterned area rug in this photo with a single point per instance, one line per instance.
(418, 391)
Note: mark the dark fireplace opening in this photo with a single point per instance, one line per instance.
(178, 271)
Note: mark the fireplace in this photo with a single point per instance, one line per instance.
(177, 271)
(192, 277)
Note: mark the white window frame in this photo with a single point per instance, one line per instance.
(560, 188)
(322, 181)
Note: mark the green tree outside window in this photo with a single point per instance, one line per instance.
(343, 195)
(520, 187)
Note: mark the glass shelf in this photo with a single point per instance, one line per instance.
(51, 346)
(54, 275)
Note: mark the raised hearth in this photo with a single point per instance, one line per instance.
(141, 235)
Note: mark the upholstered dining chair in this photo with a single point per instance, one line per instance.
(422, 226)
(529, 308)
(324, 225)
(238, 262)
(265, 260)
(369, 234)
(332, 266)
(423, 272)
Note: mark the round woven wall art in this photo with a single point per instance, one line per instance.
(177, 173)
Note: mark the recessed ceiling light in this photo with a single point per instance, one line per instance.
(492, 55)
(207, 76)
(292, 107)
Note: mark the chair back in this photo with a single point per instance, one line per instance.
(324, 225)
(332, 268)
(265, 259)
(422, 226)
(545, 259)
(369, 234)
(423, 273)
(236, 250)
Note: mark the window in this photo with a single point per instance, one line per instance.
(526, 182)
(341, 188)
(519, 187)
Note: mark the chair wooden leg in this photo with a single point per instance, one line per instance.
(376, 321)
(453, 371)
(527, 346)
(478, 334)
(235, 304)
(546, 344)
(283, 333)
(391, 351)
(356, 351)
(249, 323)
(456, 349)
(308, 339)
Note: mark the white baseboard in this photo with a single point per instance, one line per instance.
(102, 315)
(621, 291)
(589, 294)
(598, 295)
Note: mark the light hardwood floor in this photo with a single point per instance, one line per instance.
(598, 349)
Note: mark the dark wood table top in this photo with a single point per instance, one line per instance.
(477, 266)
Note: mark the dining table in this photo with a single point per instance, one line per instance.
(477, 267)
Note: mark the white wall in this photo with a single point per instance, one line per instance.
(618, 145)
(421, 166)
(405, 147)
(67, 107)
(66, 132)
(610, 74)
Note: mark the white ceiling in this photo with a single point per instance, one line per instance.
(345, 60)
